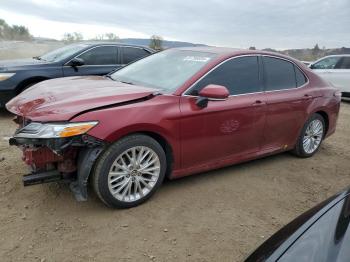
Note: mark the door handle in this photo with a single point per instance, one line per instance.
(259, 103)
(307, 96)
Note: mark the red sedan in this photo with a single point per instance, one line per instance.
(175, 113)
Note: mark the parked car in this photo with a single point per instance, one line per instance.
(336, 70)
(307, 63)
(321, 234)
(174, 113)
(71, 60)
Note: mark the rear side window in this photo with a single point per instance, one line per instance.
(102, 55)
(239, 75)
(279, 74)
(131, 54)
(300, 77)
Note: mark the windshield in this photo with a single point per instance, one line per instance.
(63, 52)
(166, 70)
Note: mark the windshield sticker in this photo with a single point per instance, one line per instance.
(201, 59)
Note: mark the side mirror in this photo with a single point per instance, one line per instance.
(212, 92)
(76, 62)
(311, 66)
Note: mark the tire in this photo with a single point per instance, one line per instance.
(124, 165)
(304, 149)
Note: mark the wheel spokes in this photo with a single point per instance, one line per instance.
(313, 136)
(134, 173)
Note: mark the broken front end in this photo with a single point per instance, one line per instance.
(58, 151)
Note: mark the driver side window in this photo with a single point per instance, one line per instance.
(239, 75)
(327, 63)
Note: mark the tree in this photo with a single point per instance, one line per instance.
(111, 36)
(15, 32)
(106, 37)
(156, 42)
(252, 48)
(72, 37)
(316, 50)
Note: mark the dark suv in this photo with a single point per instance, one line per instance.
(72, 60)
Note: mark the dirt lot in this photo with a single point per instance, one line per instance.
(217, 216)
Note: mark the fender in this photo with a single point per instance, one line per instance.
(171, 139)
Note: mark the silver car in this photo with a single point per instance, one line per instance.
(336, 70)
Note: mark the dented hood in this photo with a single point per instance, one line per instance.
(62, 98)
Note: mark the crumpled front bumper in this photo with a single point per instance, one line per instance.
(69, 159)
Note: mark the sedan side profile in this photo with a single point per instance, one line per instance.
(174, 113)
(88, 58)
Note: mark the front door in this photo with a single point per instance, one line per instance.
(224, 129)
(327, 67)
(98, 60)
(340, 75)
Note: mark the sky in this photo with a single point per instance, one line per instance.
(279, 24)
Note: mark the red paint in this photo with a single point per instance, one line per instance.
(39, 158)
(214, 91)
(61, 98)
(241, 128)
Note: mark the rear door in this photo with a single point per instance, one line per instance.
(99, 60)
(227, 128)
(287, 97)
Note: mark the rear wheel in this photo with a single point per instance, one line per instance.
(129, 171)
(311, 136)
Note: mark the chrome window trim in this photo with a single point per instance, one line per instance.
(122, 54)
(264, 91)
(281, 58)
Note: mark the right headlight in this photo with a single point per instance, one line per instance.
(4, 76)
(54, 130)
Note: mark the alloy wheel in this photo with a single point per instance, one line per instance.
(134, 173)
(313, 136)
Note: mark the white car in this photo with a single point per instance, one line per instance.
(336, 70)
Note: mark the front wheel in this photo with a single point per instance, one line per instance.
(311, 136)
(129, 171)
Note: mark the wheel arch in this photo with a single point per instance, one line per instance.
(166, 147)
(32, 80)
(325, 117)
(157, 134)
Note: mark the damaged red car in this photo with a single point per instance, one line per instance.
(175, 113)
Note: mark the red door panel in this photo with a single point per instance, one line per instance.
(286, 113)
(221, 130)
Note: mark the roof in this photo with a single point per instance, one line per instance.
(212, 49)
(335, 55)
(96, 43)
(227, 51)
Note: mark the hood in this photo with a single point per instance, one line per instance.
(62, 98)
(12, 64)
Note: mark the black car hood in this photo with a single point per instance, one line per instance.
(17, 63)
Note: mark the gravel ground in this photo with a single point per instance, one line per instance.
(221, 215)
